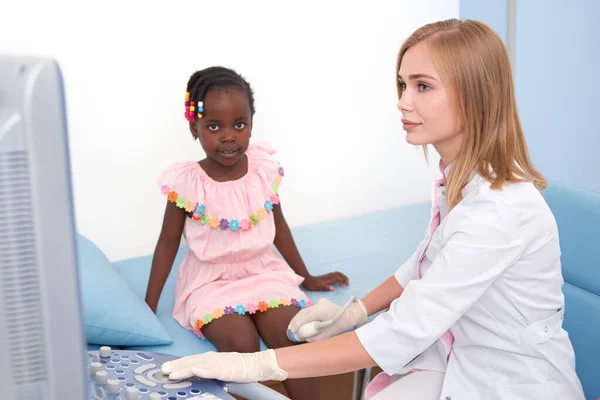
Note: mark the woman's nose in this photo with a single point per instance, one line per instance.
(404, 104)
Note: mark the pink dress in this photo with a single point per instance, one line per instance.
(231, 266)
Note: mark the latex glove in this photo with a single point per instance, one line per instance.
(228, 367)
(353, 317)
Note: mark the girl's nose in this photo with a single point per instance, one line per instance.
(228, 135)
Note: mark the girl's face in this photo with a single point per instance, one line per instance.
(225, 128)
(428, 115)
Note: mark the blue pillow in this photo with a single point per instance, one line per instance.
(113, 314)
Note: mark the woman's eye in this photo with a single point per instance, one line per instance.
(402, 85)
(423, 87)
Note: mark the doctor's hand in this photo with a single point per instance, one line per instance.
(324, 310)
(228, 367)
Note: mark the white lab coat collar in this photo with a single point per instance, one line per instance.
(472, 183)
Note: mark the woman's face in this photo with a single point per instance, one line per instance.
(428, 115)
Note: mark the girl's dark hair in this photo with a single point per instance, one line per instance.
(201, 81)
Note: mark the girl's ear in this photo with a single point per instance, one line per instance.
(193, 130)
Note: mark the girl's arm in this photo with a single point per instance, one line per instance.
(284, 242)
(164, 253)
(336, 355)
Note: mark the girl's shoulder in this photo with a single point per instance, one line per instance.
(262, 161)
(179, 183)
(179, 174)
(261, 153)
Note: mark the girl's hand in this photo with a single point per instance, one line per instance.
(324, 282)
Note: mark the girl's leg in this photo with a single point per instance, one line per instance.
(233, 333)
(422, 385)
(272, 326)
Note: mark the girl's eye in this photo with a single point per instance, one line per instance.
(240, 125)
(213, 127)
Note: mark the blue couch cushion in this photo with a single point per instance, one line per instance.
(582, 321)
(577, 213)
(113, 314)
(135, 272)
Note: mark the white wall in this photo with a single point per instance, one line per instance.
(323, 74)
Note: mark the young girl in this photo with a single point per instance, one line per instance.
(232, 284)
(476, 313)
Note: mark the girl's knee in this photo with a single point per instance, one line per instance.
(240, 344)
(278, 340)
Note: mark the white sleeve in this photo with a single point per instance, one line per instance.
(408, 270)
(477, 251)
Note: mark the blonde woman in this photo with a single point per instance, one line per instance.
(476, 312)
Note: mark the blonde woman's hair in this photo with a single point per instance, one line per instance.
(474, 64)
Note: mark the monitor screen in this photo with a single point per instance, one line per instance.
(42, 344)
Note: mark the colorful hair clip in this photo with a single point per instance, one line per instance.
(200, 109)
(189, 109)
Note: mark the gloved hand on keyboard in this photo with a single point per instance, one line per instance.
(228, 367)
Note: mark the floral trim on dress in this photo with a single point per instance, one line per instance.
(251, 308)
(198, 211)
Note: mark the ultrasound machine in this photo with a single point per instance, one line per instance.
(42, 343)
